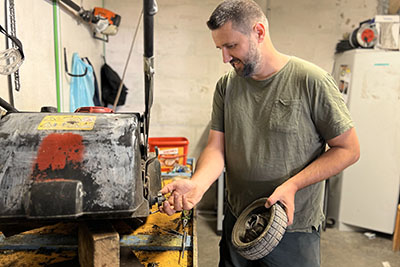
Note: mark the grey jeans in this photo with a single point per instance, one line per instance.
(297, 249)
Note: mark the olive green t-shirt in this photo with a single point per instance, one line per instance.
(273, 129)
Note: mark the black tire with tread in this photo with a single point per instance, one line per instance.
(268, 239)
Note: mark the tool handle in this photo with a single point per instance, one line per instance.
(4, 104)
(72, 5)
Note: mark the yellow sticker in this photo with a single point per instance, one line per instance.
(67, 122)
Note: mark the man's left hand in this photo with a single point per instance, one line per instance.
(285, 194)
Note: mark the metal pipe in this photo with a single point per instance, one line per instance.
(9, 79)
(57, 41)
(4, 104)
(149, 10)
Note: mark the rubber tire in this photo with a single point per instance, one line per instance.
(268, 239)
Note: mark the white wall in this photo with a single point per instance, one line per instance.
(188, 64)
(311, 29)
(34, 23)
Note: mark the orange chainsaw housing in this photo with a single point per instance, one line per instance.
(112, 18)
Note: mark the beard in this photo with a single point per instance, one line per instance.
(249, 63)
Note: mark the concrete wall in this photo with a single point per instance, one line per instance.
(188, 65)
(311, 31)
(34, 23)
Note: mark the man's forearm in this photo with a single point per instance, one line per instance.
(344, 151)
(333, 161)
(208, 167)
(327, 165)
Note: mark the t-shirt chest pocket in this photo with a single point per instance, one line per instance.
(285, 116)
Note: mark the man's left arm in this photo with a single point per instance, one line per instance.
(344, 150)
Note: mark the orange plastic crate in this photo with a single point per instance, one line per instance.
(172, 151)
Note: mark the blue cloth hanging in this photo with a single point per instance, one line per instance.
(82, 88)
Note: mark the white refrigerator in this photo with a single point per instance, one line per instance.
(366, 194)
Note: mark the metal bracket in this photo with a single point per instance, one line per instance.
(149, 67)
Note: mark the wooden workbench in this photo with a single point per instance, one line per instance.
(157, 242)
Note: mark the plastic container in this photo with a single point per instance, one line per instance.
(94, 110)
(171, 151)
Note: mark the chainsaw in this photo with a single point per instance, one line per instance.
(102, 20)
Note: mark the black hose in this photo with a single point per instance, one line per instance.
(4, 104)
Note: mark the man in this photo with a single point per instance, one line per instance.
(272, 118)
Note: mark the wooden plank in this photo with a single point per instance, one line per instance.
(396, 236)
(98, 245)
(162, 242)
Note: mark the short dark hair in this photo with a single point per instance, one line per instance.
(242, 14)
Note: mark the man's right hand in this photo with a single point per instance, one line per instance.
(185, 194)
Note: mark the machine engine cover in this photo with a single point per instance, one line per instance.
(70, 165)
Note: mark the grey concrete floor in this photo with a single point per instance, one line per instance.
(338, 248)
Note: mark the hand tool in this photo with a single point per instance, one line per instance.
(159, 200)
(185, 217)
(170, 231)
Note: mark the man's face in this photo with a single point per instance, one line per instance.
(238, 49)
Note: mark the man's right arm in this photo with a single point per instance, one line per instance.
(211, 162)
(185, 194)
